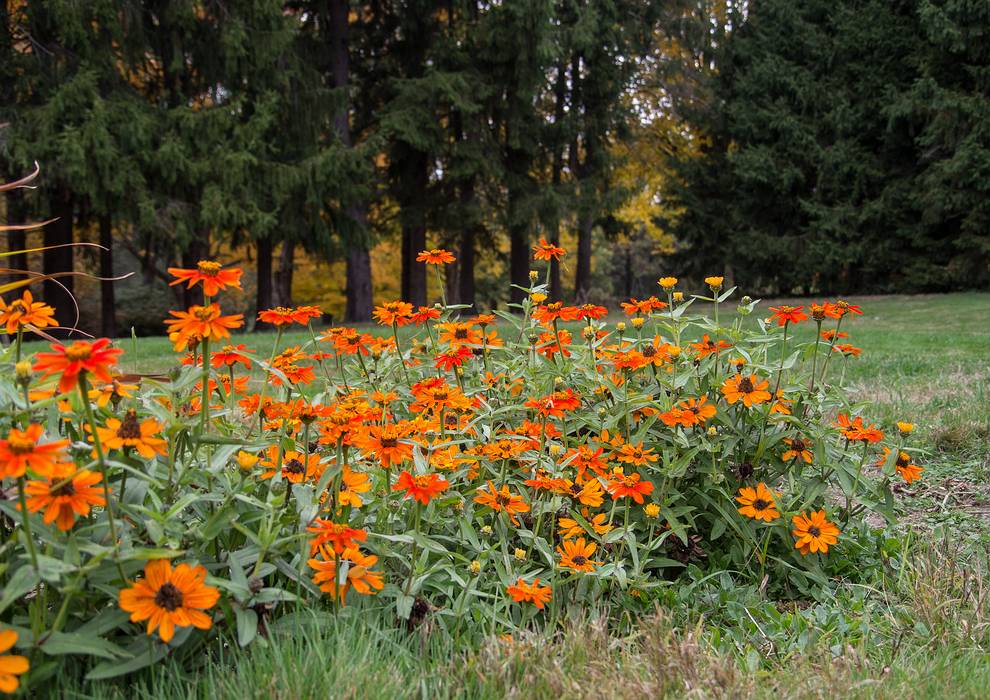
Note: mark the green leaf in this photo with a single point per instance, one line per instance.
(247, 625)
(23, 580)
(61, 643)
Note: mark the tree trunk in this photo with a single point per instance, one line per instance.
(58, 292)
(358, 288)
(108, 304)
(465, 277)
(413, 180)
(263, 292)
(582, 271)
(283, 278)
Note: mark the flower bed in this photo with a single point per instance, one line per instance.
(480, 472)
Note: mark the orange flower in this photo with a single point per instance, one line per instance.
(622, 485)
(25, 311)
(758, 503)
(200, 322)
(555, 404)
(583, 458)
(170, 598)
(11, 665)
(908, 471)
(749, 388)
(644, 307)
(340, 535)
(231, 355)
(458, 334)
(576, 555)
(636, 455)
(296, 466)
(522, 592)
(548, 313)
(96, 358)
(385, 443)
(210, 273)
(707, 347)
(588, 493)
(848, 349)
(65, 494)
(436, 256)
(424, 314)
(788, 314)
(797, 449)
(358, 576)
(547, 251)
(284, 316)
(854, 429)
(353, 484)
(119, 434)
(421, 488)
(502, 500)
(397, 313)
(570, 528)
(455, 357)
(814, 533)
(689, 412)
(20, 451)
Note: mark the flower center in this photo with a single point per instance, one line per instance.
(294, 466)
(814, 531)
(208, 267)
(422, 482)
(20, 445)
(580, 560)
(78, 351)
(65, 489)
(502, 499)
(389, 443)
(746, 385)
(797, 445)
(129, 428)
(461, 333)
(649, 351)
(204, 313)
(760, 504)
(168, 597)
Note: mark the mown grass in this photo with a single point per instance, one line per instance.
(919, 629)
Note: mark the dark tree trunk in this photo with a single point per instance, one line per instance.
(358, 286)
(465, 276)
(412, 190)
(560, 93)
(283, 278)
(582, 268)
(58, 292)
(263, 293)
(108, 304)
(518, 250)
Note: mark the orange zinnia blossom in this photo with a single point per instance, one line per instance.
(424, 314)
(555, 404)
(397, 313)
(707, 347)
(96, 358)
(456, 334)
(636, 454)
(65, 494)
(11, 665)
(296, 466)
(422, 488)
(548, 313)
(170, 598)
(644, 307)
(201, 322)
(385, 442)
(25, 312)
(353, 484)
(436, 256)
(758, 503)
(545, 250)
(210, 273)
(784, 314)
(230, 355)
(340, 535)
(20, 451)
(576, 555)
(632, 486)
(814, 533)
(359, 576)
(128, 432)
(502, 500)
(747, 388)
(455, 357)
(522, 592)
(797, 448)
(908, 471)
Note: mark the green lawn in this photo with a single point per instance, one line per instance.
(921, 629)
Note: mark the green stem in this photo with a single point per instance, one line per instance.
(26, 520)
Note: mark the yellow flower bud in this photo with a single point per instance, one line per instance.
(652, 510)
(905, 428)
(638, 322)
(538, 297)
(712, 431)
(556, 449)
(588, 333)
(520, 554)
(714, 282)
(533, 275)
(620, 326)
(674, 351)
(246, 460)
(486, 529)
(667, 282)
(475, 567)
(678, 296)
